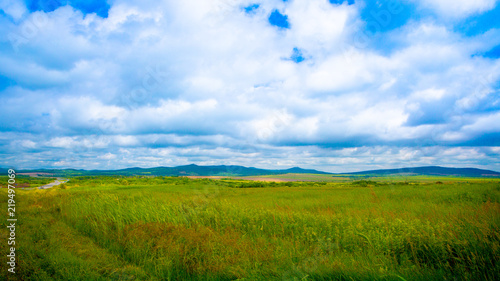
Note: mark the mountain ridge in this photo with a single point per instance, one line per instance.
(185, 170)
(430, 170)
(234, 170)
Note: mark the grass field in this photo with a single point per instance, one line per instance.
(115, 228)
(306, 177)
(26, 181)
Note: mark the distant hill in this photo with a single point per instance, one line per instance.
(431, 171)
(188, 170)
(223, 170)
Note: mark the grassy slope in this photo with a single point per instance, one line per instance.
(179, 229)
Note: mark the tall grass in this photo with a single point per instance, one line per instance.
(180, 229)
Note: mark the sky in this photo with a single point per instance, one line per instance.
(338, 85)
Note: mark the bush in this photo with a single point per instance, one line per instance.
(364, 183)
(253, 184)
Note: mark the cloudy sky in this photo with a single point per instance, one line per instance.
(333, 85)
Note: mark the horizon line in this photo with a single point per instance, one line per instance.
(251, 167)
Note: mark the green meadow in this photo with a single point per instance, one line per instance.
(174, 228)
(25, 181)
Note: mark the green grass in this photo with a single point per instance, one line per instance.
(117, 228)
(26, 181)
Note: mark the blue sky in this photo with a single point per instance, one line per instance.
(332, 85)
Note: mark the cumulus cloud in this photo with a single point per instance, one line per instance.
(459, 9)
(174, 82)
(15, 9)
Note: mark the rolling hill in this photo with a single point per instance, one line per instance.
(431, 171)
(187, 170)
(223, 170)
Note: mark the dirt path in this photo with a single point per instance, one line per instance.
(52, 184)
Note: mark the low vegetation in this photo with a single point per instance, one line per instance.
(26, 181)
(174, 228)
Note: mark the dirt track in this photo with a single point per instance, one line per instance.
(52, 184)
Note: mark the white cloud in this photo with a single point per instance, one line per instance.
(385, 120)
(318, 25)
(485, 124)
(28, 144)
(126, 140)
(107, 156)
(61, 142)
(338, 74)
(459, 8)
(200, 82)
(15, 9)
(429, 94)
